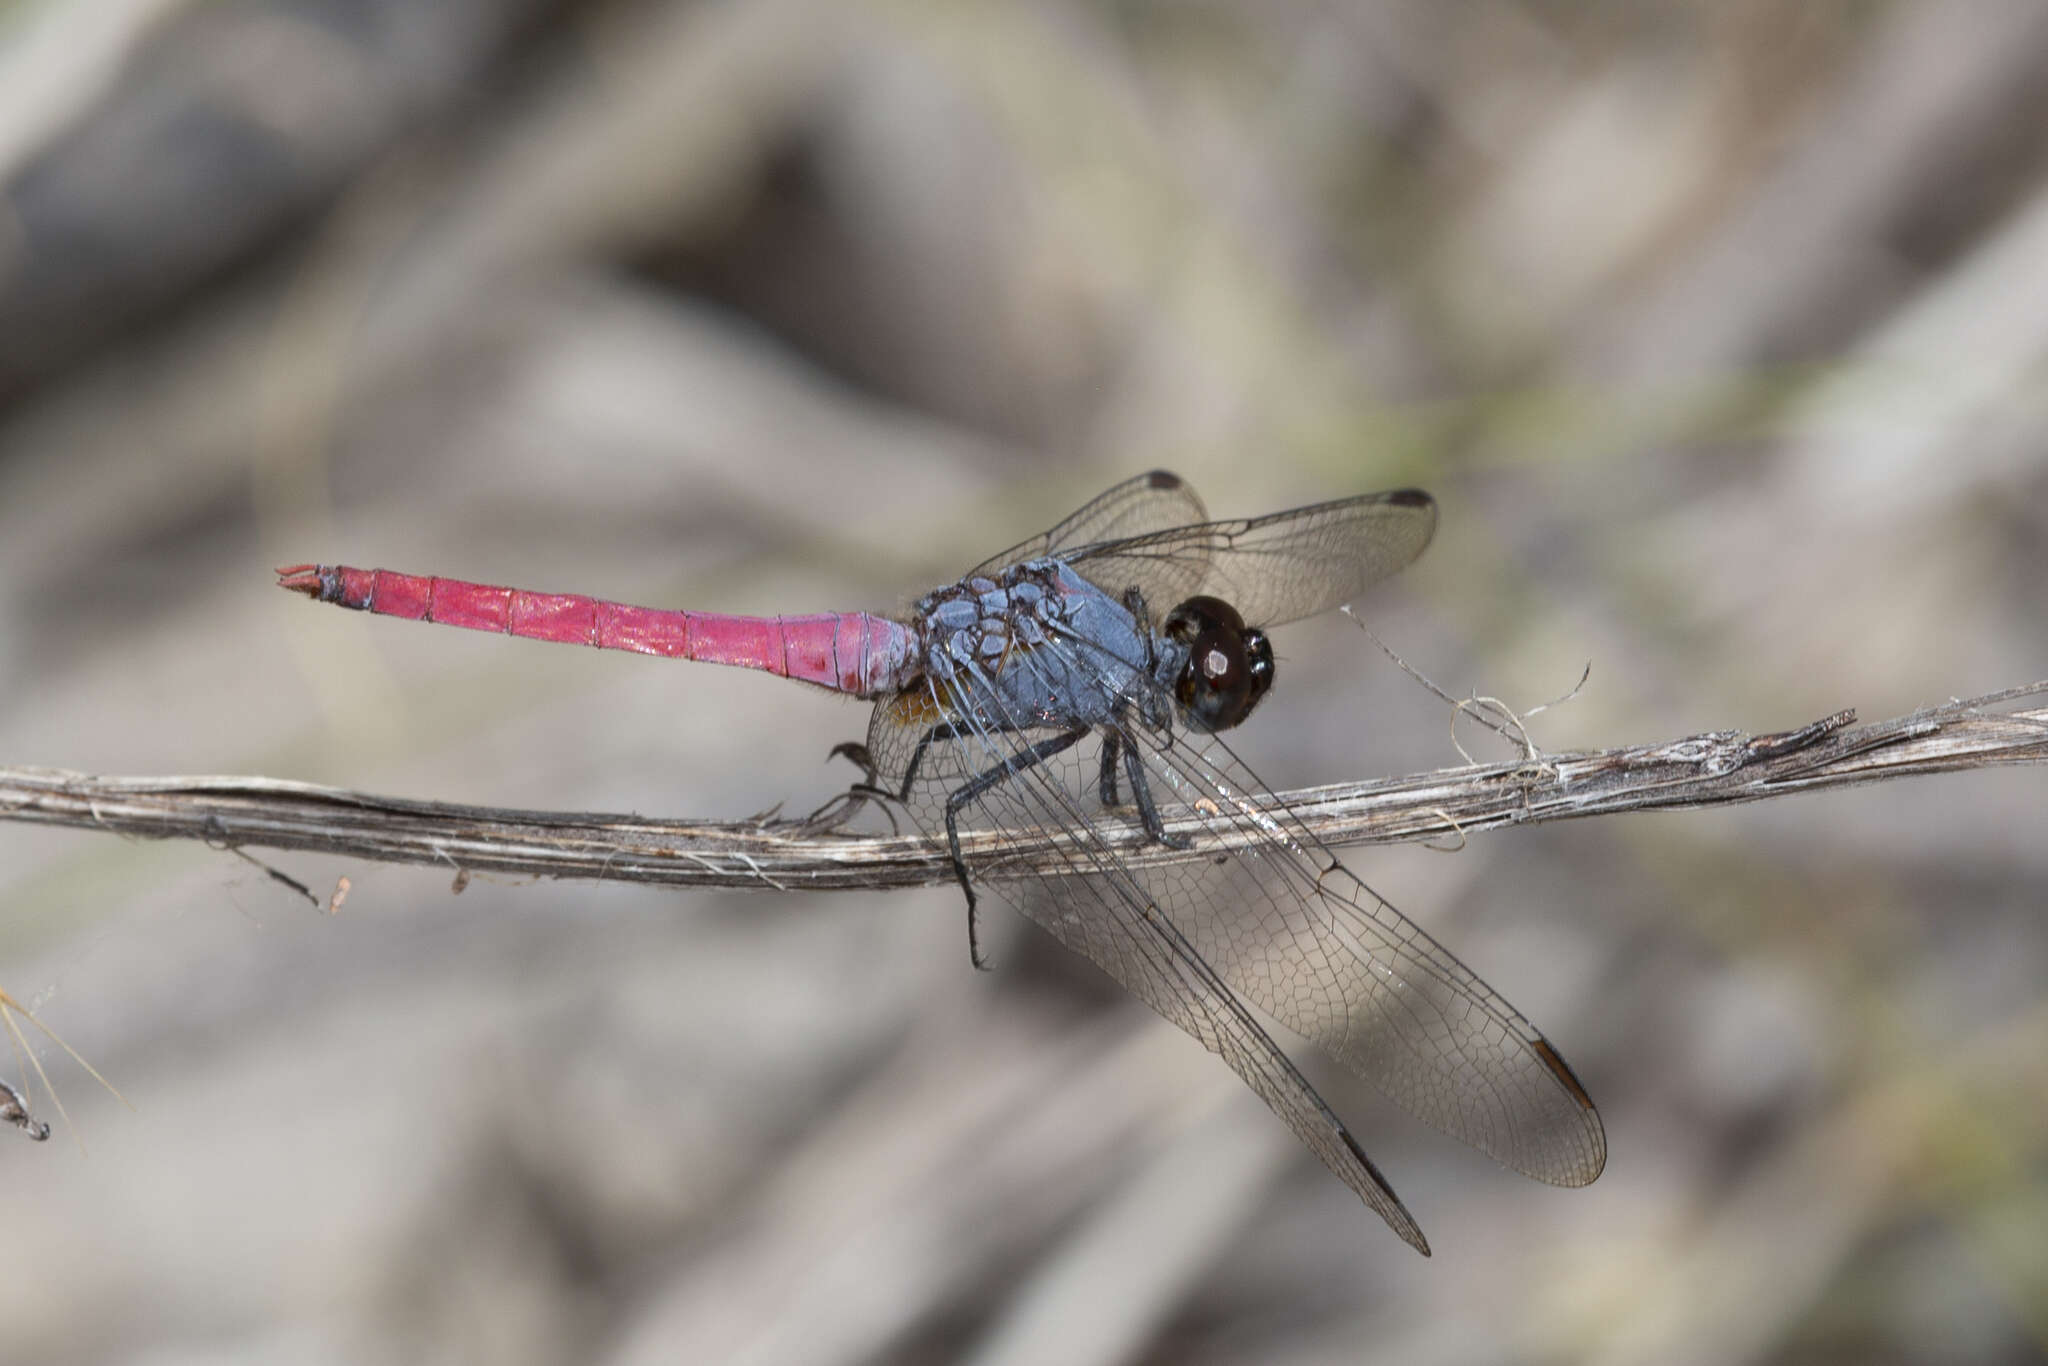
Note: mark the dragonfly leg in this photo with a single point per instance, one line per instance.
(1111, 742)
(1134, 603)
(1155, 713)
(856, 753)
(1027, 758)
(945, 730)
(1141, 792)
(842, 808)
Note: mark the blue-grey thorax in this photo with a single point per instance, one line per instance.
(1039, 645)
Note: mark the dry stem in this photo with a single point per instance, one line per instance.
(1701, 770)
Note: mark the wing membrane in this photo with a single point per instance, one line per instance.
(1100, 912)
(1270, 917)
(1145, 505)
(1273, 569)
(1282, 923)
(1285, 923)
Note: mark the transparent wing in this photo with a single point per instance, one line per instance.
(1273, 569)
(1155, 501)
(1102, 912)
(1277, 920)
(1287, 924)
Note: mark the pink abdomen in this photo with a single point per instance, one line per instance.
(850, 652)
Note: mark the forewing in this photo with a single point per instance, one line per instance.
(1102, 912)
(1279, 920)
(1283, 921)
(1155, 501)
(1273, 569)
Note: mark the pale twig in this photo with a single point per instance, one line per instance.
(1712, 769)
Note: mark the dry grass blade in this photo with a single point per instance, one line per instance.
(1712, 769)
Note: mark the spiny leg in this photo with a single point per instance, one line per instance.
(1027, 758)
(856, 753)
(1134, 603)
(1141, 792)
(869, 788)
(945, 730)
(1112, 738)
(838, 810)
(1151, 703)
(1116, 742)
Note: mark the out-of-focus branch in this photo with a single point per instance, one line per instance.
(1701, 770)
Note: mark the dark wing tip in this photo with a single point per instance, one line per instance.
(1568, 1079)
(1167, 479)
(1562, 1071)
(1420, 502)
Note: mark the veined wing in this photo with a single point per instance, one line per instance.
(1147, 504)
(1280, 921)
(1272, 569)
(1102, 912)
(1284, 922)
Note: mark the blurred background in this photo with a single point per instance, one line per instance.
(1720, 330)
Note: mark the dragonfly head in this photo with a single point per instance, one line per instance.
(1228, 666)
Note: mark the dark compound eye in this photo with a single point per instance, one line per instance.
(1229, 665)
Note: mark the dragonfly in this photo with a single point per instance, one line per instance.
(1080, 684)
